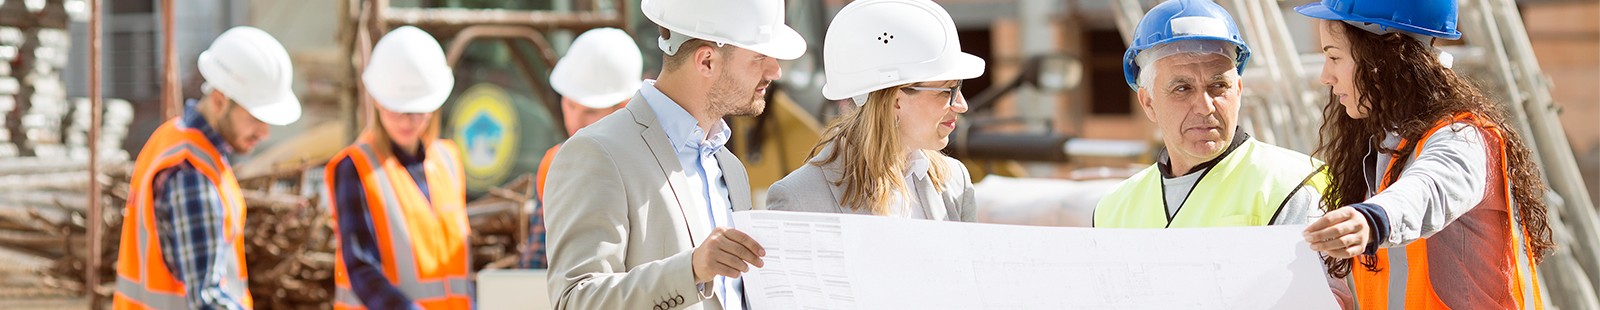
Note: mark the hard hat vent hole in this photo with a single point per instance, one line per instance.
(885, 38)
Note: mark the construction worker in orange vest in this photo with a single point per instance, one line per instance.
(598, 76)
(182, 243)
(1438, 197)
(399, 200)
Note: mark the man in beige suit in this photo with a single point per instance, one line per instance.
(641, 202)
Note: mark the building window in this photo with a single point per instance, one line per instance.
(1107, 90)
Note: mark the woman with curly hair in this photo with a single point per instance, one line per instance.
(1432, 190)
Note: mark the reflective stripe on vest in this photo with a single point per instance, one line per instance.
(1404, 279)
(143, 280)
(397, 195)
(1247, 188)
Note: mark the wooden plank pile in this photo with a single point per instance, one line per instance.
(289, 240)
(43, 217)
(499, 222)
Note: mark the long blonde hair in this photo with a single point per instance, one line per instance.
(866, 144)
(382, 143)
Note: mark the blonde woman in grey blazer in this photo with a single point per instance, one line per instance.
(882, 157)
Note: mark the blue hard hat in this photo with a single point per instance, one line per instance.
(1434, 18)
(1181, 20)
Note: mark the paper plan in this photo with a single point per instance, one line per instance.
(834, 261)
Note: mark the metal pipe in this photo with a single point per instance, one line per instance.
(363, 48)
(96, 219)
(1025, 147)
(1128, 13)
(171, 105)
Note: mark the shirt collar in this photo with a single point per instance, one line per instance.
(193, 120)
(917, 166)
(408, 160)
(1164, 162)
(682, 129)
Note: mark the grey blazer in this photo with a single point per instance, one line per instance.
(811, 189)
(620, 221)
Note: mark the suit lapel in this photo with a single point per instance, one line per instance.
(738, 183)
(655, 138)
(831, 175)
(932, 200)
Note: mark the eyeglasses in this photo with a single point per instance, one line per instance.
(955, 91)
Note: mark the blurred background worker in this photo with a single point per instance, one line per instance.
(882, 157)
(398, 190)
(600, 73)
(184, 197)
(1437, 194)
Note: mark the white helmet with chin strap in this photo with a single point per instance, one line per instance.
(876, 44)
(755, 25)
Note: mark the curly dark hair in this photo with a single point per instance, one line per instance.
(1402, 86)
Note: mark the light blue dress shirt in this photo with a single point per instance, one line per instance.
(697, 152)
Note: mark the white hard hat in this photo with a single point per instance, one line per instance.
(755, 25)
(408, 72)
(601, 69)
(875, 44)
(250, 67)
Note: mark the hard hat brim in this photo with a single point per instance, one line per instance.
(603, 101)
(966, 66)
(282, 109)
(1319, 11)
(786, 44)
(421, 104)
(961, 66)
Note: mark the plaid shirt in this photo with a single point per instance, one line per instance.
(362, 260)
(532, 250)
(533, 256)
(189, 220)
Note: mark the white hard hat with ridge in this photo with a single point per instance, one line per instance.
(602, 68)
(250, 67)
(876, 44)
(755, 25)
(408, 72)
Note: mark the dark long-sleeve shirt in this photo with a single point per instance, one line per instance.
(362, 260)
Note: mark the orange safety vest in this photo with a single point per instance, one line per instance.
(544, 170)
(143, 280)
(1481, 260)
(422, 241)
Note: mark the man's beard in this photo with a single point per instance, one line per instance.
(727, 98)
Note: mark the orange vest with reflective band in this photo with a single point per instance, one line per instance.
(143, 280)
(422, 241)
(1479, 261)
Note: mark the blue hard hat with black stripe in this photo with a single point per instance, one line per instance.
(1181, 20)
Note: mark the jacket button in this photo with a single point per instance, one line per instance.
(679, 299)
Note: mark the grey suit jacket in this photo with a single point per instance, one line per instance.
(620, 221)
(811, 189)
